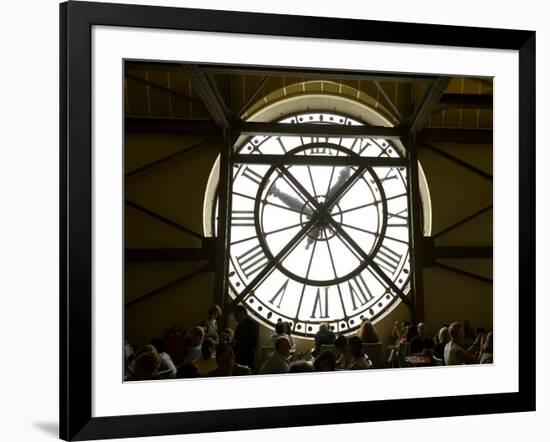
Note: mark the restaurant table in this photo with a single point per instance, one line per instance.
(418, 361)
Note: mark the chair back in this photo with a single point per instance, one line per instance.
(328, 347)
(375, 352)
(265, 352)
(404, 349)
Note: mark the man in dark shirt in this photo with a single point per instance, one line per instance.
(325, 336)
(421, 343)
(246, 337)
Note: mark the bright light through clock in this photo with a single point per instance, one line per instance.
(312, 242)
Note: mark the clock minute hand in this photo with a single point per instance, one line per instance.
(342, 177)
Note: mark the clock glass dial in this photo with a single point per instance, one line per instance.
(317, 235)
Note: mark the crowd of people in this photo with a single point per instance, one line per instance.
(455, 344)
(205, 350)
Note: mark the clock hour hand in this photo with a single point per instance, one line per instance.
(290, 201)
(299, 206)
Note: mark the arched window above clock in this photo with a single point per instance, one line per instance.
(319, 228)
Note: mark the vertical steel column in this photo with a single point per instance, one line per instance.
(416, 229)
(223, 238)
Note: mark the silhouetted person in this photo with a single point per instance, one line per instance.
(421, 343)
(367, 333)
(300, 366)
(146, 364)
(356, 359)
(442, 339)
(247, 334)
(325, 336)
(281, 330)
(454, 353)
(194, 348)
(211, 323)
(325, 362)
(278, 362)
(226, 365)
(487, 349)
(340, 346)
(207, 360)
(167, 369)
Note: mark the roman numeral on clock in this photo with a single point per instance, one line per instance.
(252, 175)
(388, 177)
(401, 219)
(318, 150)
(359, 145)
(252, 261)
(320, 302)
(279, 295)
(388, 259)
(359, 292)
(242, 218)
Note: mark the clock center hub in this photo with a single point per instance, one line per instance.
(322, 229)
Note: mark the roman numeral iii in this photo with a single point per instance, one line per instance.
(242, 218)
(388, 259)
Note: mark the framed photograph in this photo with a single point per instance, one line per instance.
(274, 220)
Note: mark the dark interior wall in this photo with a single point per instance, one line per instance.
(176, 190)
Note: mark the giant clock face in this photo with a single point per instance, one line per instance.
(314, 239)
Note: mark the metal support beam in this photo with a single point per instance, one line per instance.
(319, 130)
(207, 89)
(463, 273)
(466, 101)
(312, 160)
(428, 104)
(318, 74)
(416, 229)
(208, 128)
(179, 126)
(463, 221)
(168, 158)
(165, 255)
(431, 253)
(461, 136)
(253, 96)
(204, 253)
(301, 73)
(460, 162)
(388, 100)
(159, 87)
(163, 219)
(463, 252)
(205, 268)
(223, 239)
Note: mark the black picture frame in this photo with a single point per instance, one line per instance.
(76, 21)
